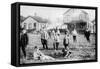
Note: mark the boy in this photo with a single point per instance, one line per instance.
(44, 38)
(66, 40)
(65, 53)
(87, 35)
(24, 42)
(38, 55)
(56, 41)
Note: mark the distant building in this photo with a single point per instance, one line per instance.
(33, 23)
(93, 26)
(76, 19)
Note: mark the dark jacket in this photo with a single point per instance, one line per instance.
(24, 40)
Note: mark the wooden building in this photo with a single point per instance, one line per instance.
(76, 19)
(34, 23)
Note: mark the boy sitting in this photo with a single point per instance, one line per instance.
(38, 55)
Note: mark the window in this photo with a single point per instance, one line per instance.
(35, 25)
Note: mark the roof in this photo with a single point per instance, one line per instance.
(38, 19)
(69, 10)
(72, 15)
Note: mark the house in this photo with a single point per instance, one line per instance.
(76, 19)
(34, 23)
(92, 26)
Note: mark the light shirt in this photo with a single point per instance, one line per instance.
(44, 35)
(67, 39)
(74, 32)
(57, 38)
(37, 53)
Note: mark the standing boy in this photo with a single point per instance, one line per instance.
(66, 40)
(24, 42)
(44, 37)
(56, 41)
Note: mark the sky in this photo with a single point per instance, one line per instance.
(54, 14)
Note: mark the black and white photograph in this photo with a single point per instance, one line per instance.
(55, 34)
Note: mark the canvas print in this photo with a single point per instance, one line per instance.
(55, 34)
